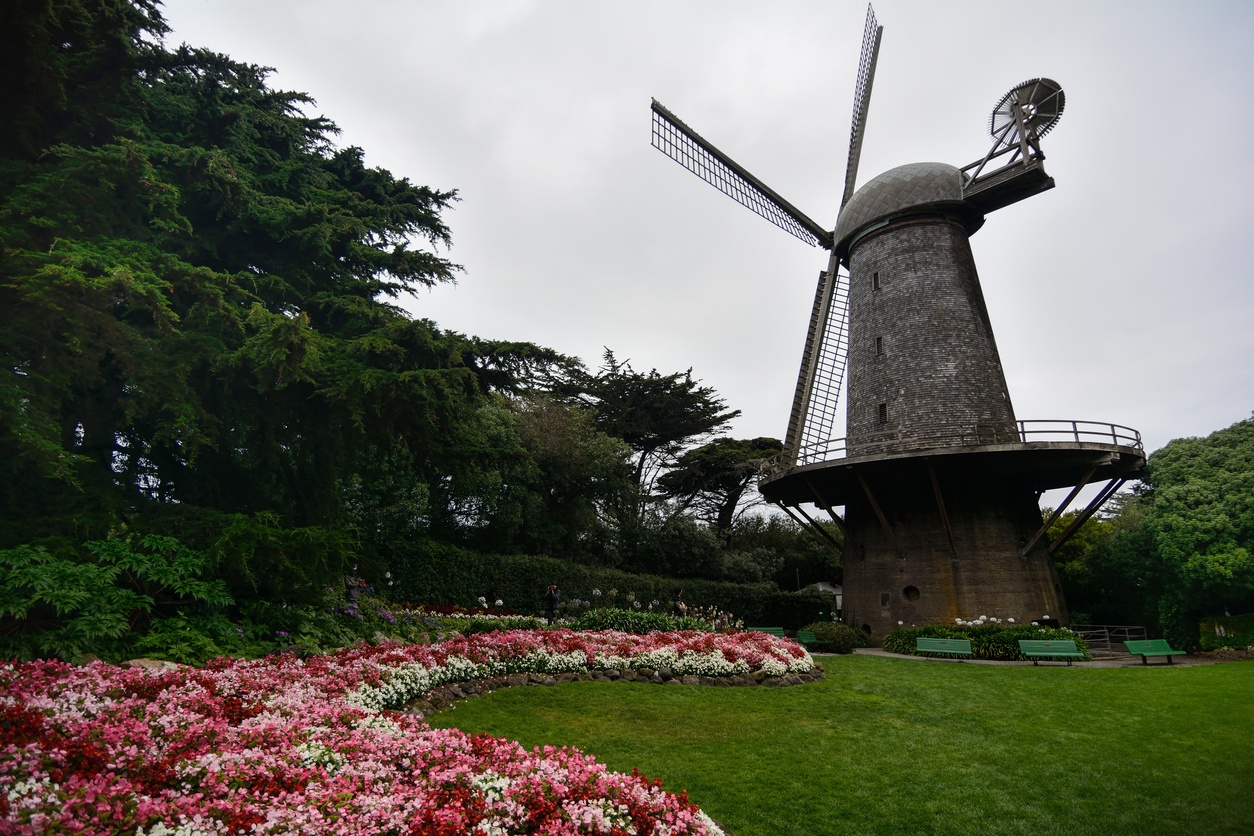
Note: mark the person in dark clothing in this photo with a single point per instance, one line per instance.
(551, 598)
(678, 607)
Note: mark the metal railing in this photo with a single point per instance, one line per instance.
(1080, 431)
(1105, 641)
(1045, 430)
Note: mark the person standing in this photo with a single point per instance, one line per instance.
(551, 599)
(678, 607)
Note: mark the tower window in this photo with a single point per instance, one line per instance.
(879, 345)
(875, 280)
(883, 413)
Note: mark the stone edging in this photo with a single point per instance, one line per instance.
(444, 696)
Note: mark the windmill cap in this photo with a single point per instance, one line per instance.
(897, 191)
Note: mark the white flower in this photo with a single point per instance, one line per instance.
(1035, 624)
(1011, 620)
(387, 574)
(899, 623)
(499, 603)
(1045, 616)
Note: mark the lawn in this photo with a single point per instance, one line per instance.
(895, 746)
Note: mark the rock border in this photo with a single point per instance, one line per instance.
(445, 696)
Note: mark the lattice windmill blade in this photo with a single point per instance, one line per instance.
(686, 147)
(871, 34)
(816, 402)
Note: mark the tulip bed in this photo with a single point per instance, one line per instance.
(285, 745)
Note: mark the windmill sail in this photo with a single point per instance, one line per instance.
(815, 411)
(862, 99)
(686, 147)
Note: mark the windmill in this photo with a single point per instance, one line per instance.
(939, 481)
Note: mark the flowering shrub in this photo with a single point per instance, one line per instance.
(1227, 632)
(285, 745)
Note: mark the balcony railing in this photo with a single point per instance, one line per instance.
(1048, 430)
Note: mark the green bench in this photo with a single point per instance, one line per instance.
(774, 631)
(953, 647)
(1053, 649)
(807, 638)
(1151, 647)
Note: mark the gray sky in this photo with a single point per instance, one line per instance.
(1119, 296)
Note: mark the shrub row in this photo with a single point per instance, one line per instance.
(991, 641)
(834, 637)
(426, 572)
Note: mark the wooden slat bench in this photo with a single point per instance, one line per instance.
(1151, 647)
(807, 638)
(952, 647)
(1053, 649)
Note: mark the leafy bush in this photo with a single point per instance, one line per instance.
(990, 641)
(834, 637)
(482, 624)
(636, 621)
(1233, 631)
(68, 605)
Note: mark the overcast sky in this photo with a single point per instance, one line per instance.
(1121, 296)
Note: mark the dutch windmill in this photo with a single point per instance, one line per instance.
(938, 480)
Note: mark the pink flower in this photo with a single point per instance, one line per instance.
(280, 744)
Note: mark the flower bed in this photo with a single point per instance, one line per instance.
(283, 745)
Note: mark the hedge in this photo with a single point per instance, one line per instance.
(426, 572)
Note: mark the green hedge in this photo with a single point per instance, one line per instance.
(834, 637)
(988, 642)
(425, 572)
(634, 621)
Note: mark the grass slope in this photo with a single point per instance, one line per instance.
(890, 746)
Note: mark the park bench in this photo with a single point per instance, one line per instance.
(774, 631)
(953, 647)
(1151, 647)
(1053, 649)
(807, 637)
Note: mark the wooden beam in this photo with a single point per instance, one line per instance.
(940, 503)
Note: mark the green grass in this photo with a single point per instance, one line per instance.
(893, 746)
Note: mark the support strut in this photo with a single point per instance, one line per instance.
(875, 506)
(840, 523)
(1058, 512)
(944, 515)
(1098, 501)
(817, 531)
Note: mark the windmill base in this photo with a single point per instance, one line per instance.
(919, 571)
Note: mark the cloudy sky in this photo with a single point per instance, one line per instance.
(1121, 296)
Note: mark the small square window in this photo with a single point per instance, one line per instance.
(883, 413)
